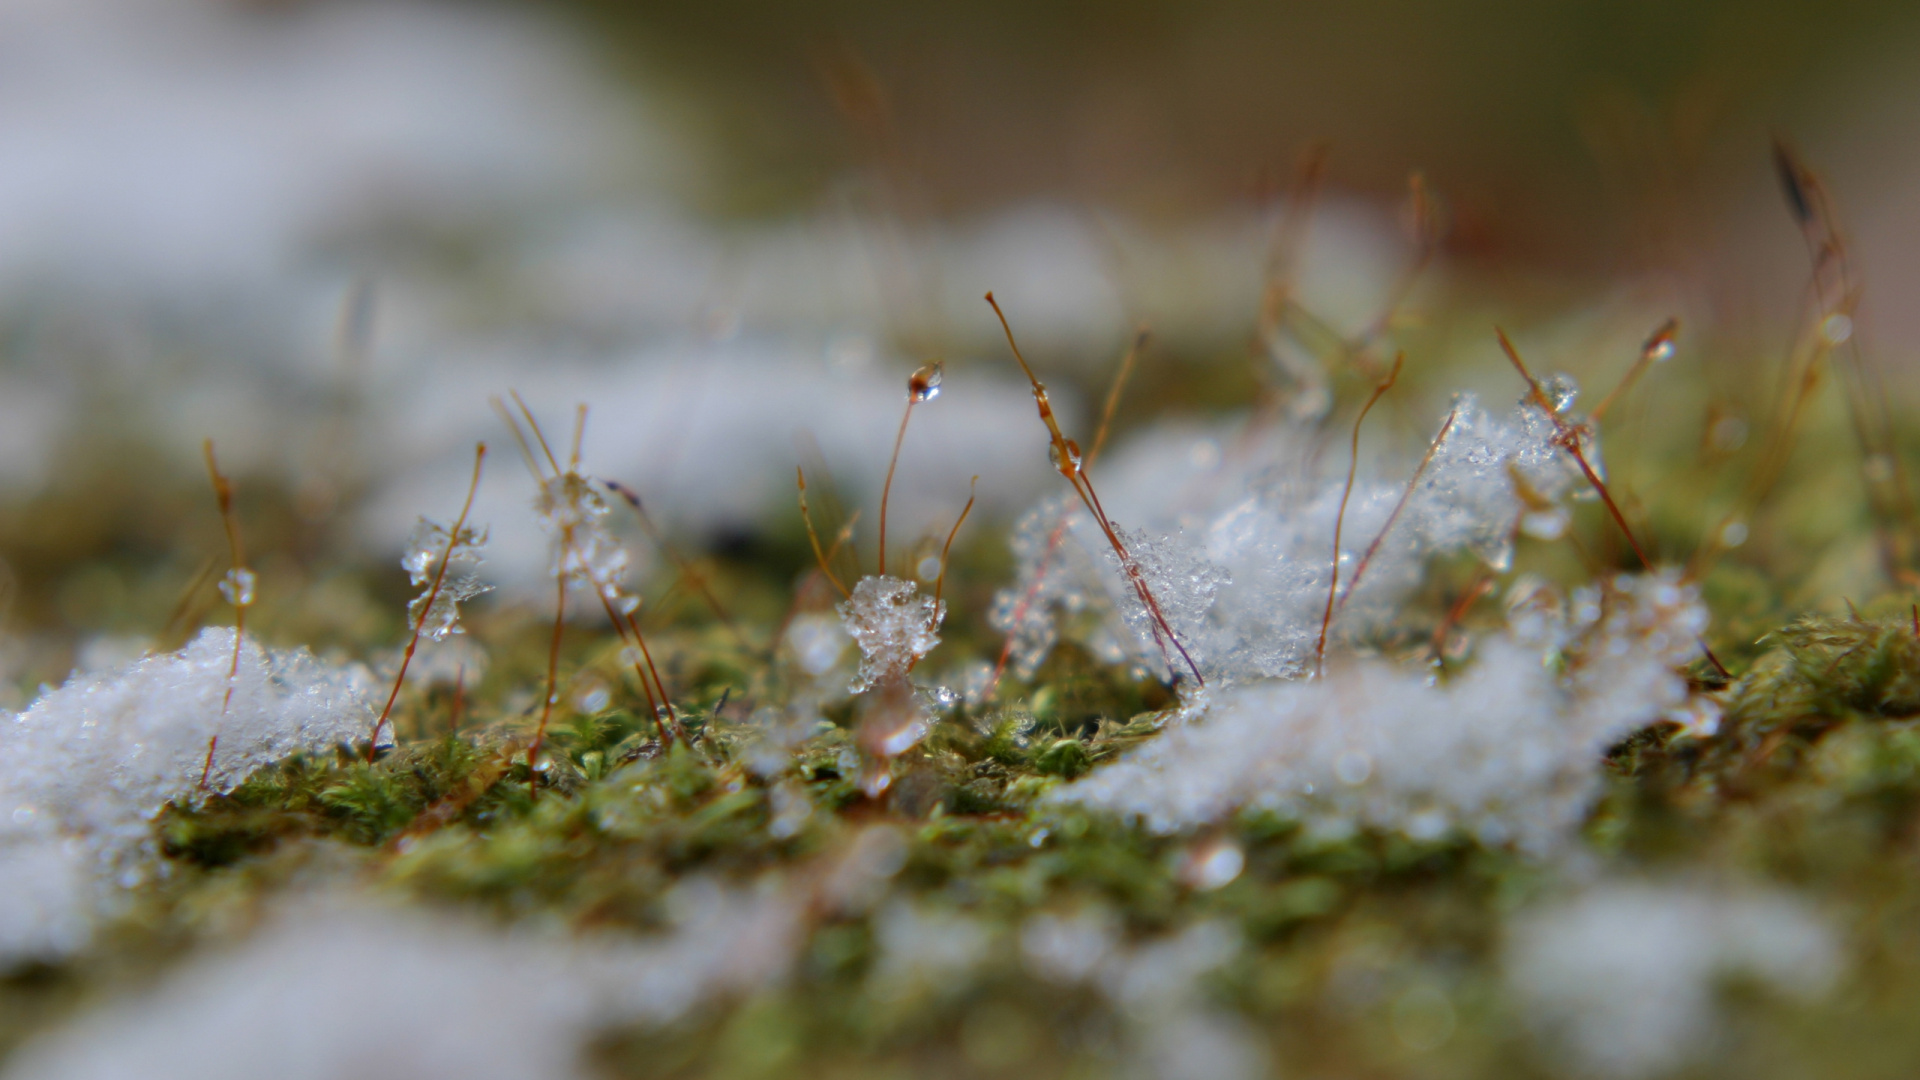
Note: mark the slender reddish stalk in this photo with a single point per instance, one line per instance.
(1067, 461)
(553, 686)
(1567, 438)
(685, 565)
(1340, 517)
(940, 583)
(433, 593)
(886, 489)
(223, 495)
(627, 629)
(1026, 601)
(1114, 390)
(1658, 345)
(813, 537)
(1481, 586)
(1380, 537)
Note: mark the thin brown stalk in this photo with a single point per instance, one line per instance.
(940, 583)
(1340, 518)
(1567, 437)
(433, 593)
(1119, 384)
(1366, 560)
(1481, 586)
(1658, 345)
(1289, 236)
(625, 630)
(1066, 455)
(813, 537)
(680, 561)
(223, 496)
(1026, 602)
(886, 489)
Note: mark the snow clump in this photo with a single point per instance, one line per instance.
(1622, 977)
(89, 765)
(1506, 751)
(893, 625)
(1237, 547)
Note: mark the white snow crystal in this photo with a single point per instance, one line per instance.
(586, 554)
(893, 625)
(1507, 751)
(1623, 976)
(88, 765)
(1237, 548)
(429, 549)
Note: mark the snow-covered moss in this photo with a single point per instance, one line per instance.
(88, 765)
(1508, 750)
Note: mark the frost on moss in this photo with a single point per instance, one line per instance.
(1238, 548)
(90, 764)
(1508, 750)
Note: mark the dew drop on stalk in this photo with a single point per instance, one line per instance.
(924, 384)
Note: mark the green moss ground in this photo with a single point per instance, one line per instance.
(1366, 955)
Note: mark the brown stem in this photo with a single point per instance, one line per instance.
(1339, 518)
(433, 593)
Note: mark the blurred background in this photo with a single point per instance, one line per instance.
(325, 233)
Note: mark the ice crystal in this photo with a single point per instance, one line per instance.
(1237, 550)
(91, 763)
(893, 625)
(586, 555)
(446, 588)
(1057, 579)
(237, 587)
(1622, 978)
(1506, 751)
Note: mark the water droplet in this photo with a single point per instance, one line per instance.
(1660, 347)
(928, 568)
(924, 384)
(1836, 328)
(1546, 524)
(1073, 456)
(24, 815)
(1039, 837)
(1561, 390)
(1213, 864)
(1353, 768)
(1733, 534)
(591, 699)
(238, 586)
(1729, 434)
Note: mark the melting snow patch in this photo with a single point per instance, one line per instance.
(88, 765)
(1507, 751)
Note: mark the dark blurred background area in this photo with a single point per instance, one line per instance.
(1593, 138)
